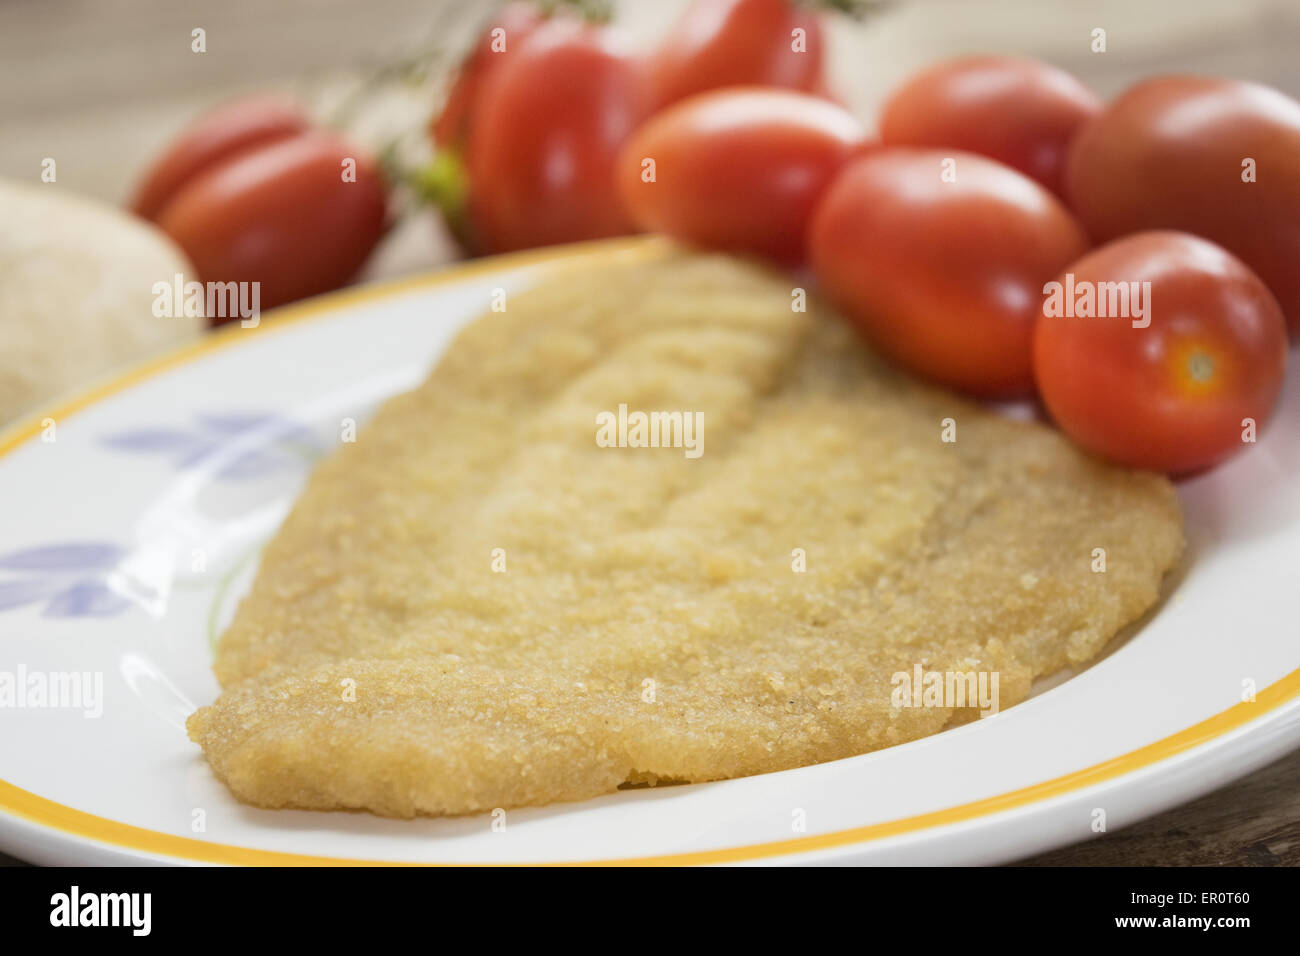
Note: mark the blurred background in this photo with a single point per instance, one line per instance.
(103, 85)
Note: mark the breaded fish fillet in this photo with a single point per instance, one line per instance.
(645, 618)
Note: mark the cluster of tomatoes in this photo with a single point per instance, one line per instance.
(542, 106)
(253, 191)
(1131, 263)
(990, 183)
(962, 241)
(1007, 233)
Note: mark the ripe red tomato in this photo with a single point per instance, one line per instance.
(945, 277)
(737, 169)
(1019, 111)
(1176, 152)
(738, 43)
(1170, 391)
(550, 123)
(281, 215)
(226, 131)
(505, 35)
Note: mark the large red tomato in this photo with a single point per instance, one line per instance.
(501, 39)
(1016, 110)
(738, 43)
(285, 215)
(217, 136)
(1191, 366)
(738, 169)
(941, 258)
(550, 123)
(1218, 158)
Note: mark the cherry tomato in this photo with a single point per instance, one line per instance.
(738, 169)
(225, 132)
(738, 43)
(506, 33)
(1019, 111)
(281, 215)
(940, 256)
(1171, 390)
(1218, 158)
(550, 123)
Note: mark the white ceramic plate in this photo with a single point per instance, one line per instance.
(126, 541)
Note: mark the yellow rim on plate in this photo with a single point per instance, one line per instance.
(28, 806)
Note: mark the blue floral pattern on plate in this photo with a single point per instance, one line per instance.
(70, 578)
(290, 444)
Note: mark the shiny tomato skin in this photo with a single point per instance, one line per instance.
(230, 129)
(944, 277)
(720, 43)
(739, 169)
(551, 121)
(1019, 111)
(1168, 153)
(515, 22)
(283, 216)
(1170, 396)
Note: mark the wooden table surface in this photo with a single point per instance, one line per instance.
(100, 85)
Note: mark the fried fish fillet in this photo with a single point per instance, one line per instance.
(477, 606)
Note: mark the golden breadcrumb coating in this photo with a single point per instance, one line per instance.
(649, 624)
